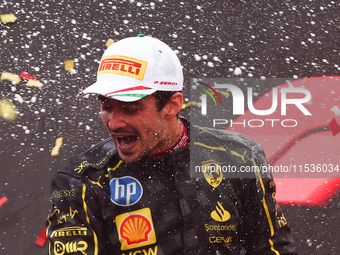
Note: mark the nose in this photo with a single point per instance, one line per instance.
(113, 118)
(116, 119)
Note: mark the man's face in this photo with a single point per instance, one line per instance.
(137, 128)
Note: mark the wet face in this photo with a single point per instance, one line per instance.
(137, 128)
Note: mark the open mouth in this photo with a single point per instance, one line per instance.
(126, 142)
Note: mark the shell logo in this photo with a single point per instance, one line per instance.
(135, 229)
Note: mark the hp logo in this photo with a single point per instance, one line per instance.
(125, 191)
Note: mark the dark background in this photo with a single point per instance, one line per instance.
(264, 38)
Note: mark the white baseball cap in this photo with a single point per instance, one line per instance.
(136, 67)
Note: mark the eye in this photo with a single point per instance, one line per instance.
(105, 106)
(130, 109)
(104, 103)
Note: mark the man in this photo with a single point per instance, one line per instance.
(133, 194)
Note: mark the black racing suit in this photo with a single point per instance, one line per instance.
(102, 205)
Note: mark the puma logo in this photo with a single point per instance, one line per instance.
(97, 182)
(234, 153)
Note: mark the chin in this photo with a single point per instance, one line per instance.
(129, 158)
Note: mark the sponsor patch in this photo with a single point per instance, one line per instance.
(166, 83)
(220, 214)
(63, 193)
(125, 191)
(220, 239)
(61, 248)
(64, 217)
(131, 67)
(69, 231)
(212, 172)
(135, 229)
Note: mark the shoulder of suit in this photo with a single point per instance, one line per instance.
(221, 136)
(95, 157)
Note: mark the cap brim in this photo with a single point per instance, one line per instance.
(125, 92)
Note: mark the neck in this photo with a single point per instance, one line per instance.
(171, 136)
(181, 141)
(174, 132)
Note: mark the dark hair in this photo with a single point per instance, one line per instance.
(162, 98)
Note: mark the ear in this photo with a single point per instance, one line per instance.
(174, 105)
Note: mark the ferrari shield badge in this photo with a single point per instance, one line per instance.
(212, 172)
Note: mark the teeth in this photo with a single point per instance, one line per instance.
(126, 140)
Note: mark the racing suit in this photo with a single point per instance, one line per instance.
(102, 205)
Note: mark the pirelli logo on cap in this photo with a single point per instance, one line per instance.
(135, 229)
(132, 67)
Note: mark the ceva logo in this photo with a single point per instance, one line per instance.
(125, 191)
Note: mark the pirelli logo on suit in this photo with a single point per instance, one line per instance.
(131, 67)
(69, 231)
